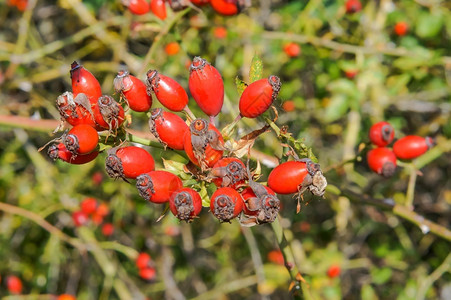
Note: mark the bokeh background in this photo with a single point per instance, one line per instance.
(369, 237)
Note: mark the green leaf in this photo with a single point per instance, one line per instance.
(337, 108)
(240, 85)
(204, 195)
(428, 25)
(176, 168)
(256, 71)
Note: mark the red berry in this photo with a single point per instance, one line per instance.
(220, 32)
(60, 152)
(107, 229)
(353, 6)
(157, 186)
(229, 171)
(412, 146)
(167, 128)
(143, 260)
(276, 257)
(88, 205)
(225, 7)
(81, 139)
(203, 144)
(137, 7)
(133, 90)
(102, 210)
(292, 49)
(172, 48)
(200, 2)
(206, 86)
(350, 74)
(289, 106)
(97, 219)
(75, 110)
(66, 297)
(84, 82)
(97, 178)
(381, 134)
(158, 8)
(333, 271)
(226, 204)
(401, 28)
(21, 5)
(14, 284)
(128, 162)
(297, 176)
(80, 218)
(108, 113)
(147, 274)
(185, 204)
(168, 91)
(382, 161)
(258, 96)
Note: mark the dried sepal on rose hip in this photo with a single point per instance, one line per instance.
(168, 128)
(296, 177)
(133, 90)
(158, 186)
(75, 110)
(128, 162)
(81, 139)
(261, 204)
(258, 96)
(226, 204)
(108, 114)
(412, 146)
(84, 82)
(185, 204)
(203, 143)
(59, 151)
(168, 91)
(382, 161)
(206, 86)
(229, 172)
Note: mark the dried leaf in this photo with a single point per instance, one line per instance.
(256, 70)
(242, 147)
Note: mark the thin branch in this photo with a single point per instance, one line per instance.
(15, 210)
(341, 47)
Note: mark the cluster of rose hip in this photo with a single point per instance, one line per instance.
(158, 7)
(237, 194)
(90, 209)
(382, 160)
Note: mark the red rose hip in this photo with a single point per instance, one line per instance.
(157, 186)
(206, 86)
(168, 91)
(75, 110)
(381, 134)
(168, 128)
(84, 82)
(14, 284)
(412, 146)
(382, 161)
(226, 204)
(296, 177)
(81, 139)
(185, 204)
(158, 8)
(137, 7)
(353, 6)
(59, 151)
(225, 7)
(258, 96)
(229, 171)
(203, 144)
(133, 90)
(108, 114)
(128, 162)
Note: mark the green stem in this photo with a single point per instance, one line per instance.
(143, 141)
(288, 256)
(411, 187)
